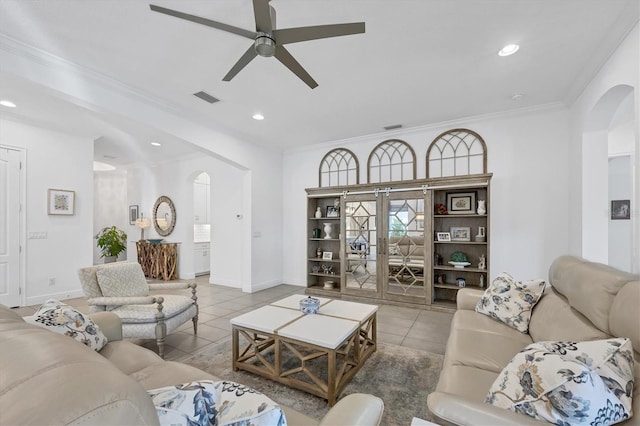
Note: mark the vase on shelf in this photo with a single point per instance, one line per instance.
(327, 230)
(482, 207)
(318, 213)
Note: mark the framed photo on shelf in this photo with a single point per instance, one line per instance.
(460, 233)
(461, 202)
(327, 255)
(443, 236)
(333, 211)
(133, 214)
(61, 201)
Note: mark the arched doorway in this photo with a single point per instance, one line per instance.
(609, 177)
(202, 224)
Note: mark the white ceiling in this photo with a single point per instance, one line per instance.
(419, 62)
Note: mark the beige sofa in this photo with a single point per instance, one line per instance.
(587, 301)
(49, 379)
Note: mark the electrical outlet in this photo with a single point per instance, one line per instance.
(52, 281)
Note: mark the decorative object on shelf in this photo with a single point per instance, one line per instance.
(336, 204)
(318, 252)
(460, 233)
(481, 281)
(327, 269)
(133, 214)
(443, 236)
(461, 282)
(482, 207)
(440, 209)
(327, 230)
(327, 255)
(437, 259)
(461, 202)
(482, 236)
(329, 284)
(482, 264)
(112, 241)
(309, 305)
(315, 269)
(318, 213)
(442, 278)
(333, 211)
(142, 223)
(60, 201)
(317, 232)
(459, 260)
(155, 240)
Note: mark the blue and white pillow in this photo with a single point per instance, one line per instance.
(568, 383)
(215, 403)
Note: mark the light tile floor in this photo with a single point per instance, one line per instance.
(415, 328)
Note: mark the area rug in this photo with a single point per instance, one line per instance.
(402, 377)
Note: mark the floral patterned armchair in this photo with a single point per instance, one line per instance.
(122, 288)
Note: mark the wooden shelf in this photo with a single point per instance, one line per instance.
(449, 286)
(324, 239)
(451, 268)
(324, 218)
(319, 259)
(461, 242)
(447, 216)
(320, 274)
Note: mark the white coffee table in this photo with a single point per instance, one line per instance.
(326, 349)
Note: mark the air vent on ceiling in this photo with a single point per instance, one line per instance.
(393, 127)
(110, 157)
(206, 97)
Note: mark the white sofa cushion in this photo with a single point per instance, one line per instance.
(64, 319)
(568, 382)
(511, 301)
(122, 280)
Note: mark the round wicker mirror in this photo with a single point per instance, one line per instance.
(164, 216)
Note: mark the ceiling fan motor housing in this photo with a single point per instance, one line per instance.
(265, 45)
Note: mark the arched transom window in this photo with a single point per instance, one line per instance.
(339, 167)
(456, 152)
(392, 160)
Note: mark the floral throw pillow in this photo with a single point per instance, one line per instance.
(64, 319)
(511, 301)
(569, 383)
(215, 403)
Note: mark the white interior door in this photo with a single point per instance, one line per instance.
(10, 227)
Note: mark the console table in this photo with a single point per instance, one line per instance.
(158, 260)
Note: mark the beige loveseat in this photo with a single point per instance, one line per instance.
(587, 301)
(49, 379)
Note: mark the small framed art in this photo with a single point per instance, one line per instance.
(620, 209)
(460, 233)
(461, 202)
(333, 211)
(61, 201)
(133, 214)
(327, 255)
(443, 236)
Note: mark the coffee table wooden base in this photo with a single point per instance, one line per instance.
(314, 369)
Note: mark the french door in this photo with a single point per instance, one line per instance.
(385, 246)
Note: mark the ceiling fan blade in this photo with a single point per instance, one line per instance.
(262, 13)
(294, 35)
(204, 21)
(242, 62)
(290, 62)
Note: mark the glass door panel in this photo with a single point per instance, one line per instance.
(361, 246)
(404, 247)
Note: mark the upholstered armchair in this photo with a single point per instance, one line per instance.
(122, 288)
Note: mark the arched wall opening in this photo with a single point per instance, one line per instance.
(609, 132)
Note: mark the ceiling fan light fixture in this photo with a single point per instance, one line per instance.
(265, 46)
(258, 117)
(156, 144)
(508, 50)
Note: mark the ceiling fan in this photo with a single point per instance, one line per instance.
(269, 41)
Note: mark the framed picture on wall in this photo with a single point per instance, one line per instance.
(133, 214)
(620, 210)
(61, 201)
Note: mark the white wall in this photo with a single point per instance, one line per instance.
(527, 155)
(59, 161)
(619, 231)
(110, 208)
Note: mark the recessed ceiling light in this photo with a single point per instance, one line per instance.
(258, 117)
(156, 143)
(517, 96)
(7, 103)
(102, 167)
(509, 49)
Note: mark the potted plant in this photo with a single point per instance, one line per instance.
(112, 241)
